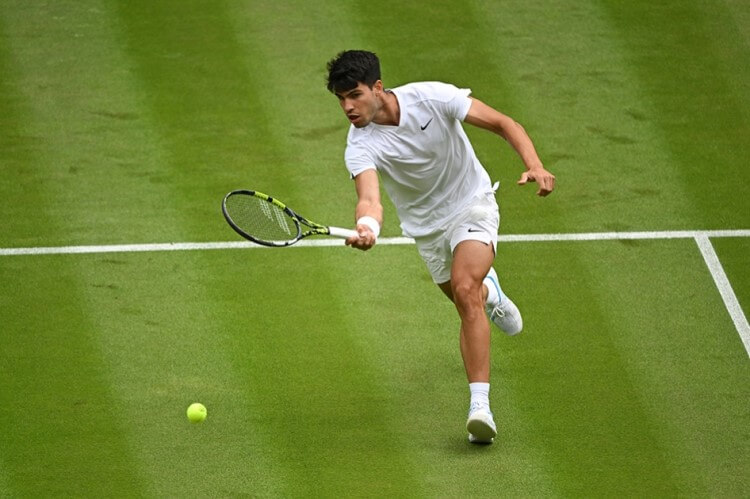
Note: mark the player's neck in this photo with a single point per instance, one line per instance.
(390, 112)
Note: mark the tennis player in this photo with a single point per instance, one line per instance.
(413, 138)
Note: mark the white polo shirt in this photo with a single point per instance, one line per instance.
(427, 164)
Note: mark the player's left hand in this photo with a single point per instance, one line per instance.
(542, 177)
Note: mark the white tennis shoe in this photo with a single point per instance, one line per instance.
(480, 425)
(506, 316)
(501, 309)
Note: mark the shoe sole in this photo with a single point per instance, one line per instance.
(475, 440)
(482, 431)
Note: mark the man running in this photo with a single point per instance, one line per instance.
(411, 137)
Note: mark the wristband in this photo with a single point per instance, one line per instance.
(371, 223)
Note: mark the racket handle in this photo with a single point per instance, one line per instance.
(342, 233)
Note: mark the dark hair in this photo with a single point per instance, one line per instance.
(352, 67)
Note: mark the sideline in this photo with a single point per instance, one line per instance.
(725, 289)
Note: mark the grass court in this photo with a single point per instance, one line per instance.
(329, 372)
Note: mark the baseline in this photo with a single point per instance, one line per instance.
(509, 238)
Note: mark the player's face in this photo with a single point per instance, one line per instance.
(360, 104)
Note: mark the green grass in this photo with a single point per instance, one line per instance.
(329, 372)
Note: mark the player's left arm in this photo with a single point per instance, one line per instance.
(483, 116)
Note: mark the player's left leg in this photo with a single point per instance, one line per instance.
(471, 262)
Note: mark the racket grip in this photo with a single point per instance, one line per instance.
(342, 233)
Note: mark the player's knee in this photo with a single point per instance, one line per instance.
(467, 294)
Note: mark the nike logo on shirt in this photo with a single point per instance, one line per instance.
(426, 124)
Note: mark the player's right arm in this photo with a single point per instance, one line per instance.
(368, 210)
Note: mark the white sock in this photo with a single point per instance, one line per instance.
(480, 393)
(494, 293)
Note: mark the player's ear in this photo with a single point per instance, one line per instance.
(378, 86)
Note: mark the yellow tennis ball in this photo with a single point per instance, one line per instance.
(196, 413)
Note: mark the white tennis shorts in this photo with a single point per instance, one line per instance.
(477, 222)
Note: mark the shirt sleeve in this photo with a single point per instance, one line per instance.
(358, 159)
(453, 101)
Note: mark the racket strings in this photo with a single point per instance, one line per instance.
(261, 219)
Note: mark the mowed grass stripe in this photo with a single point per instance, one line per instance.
(193, 79)
(568, 382)
(681, 350)
(96, 159)
(18, 145)
(166, 353)
(693, 63)
(305, 348)
(15, 157)
(577, 94)
(168, 345)
(65, 436)
(740, 16)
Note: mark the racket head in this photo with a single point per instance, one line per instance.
(261, 218)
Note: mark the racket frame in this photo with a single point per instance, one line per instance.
(315, 229)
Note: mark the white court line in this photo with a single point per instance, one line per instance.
(619, 236)
(725, 289)
(510, 238)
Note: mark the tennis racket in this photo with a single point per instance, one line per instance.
(267, 221)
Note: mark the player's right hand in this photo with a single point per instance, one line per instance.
(365, 240)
